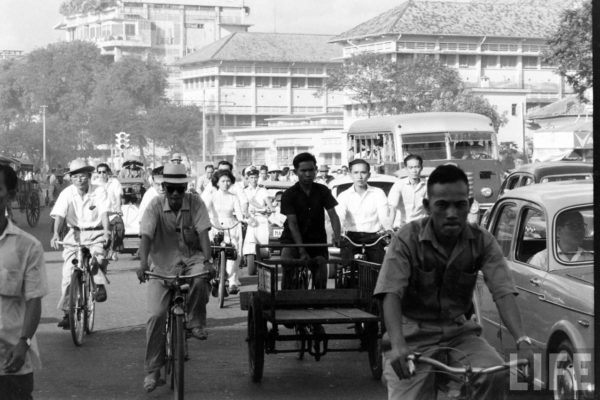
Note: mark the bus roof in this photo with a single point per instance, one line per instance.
(424, 122)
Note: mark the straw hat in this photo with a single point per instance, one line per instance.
(175, 173)
(77, 166)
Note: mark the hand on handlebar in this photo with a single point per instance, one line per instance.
(398, 356)
(141, 273)
(53, 242)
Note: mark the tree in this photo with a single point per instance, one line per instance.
(125, 94)
(570, 48)
(70, 7)
(468, 102)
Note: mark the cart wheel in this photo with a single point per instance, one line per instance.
(373, 345)
(256, 338)
(33, 210)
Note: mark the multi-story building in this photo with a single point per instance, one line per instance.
(166, 29)
(246, 78)
(10, 54)
(496, 46)
(276, 144)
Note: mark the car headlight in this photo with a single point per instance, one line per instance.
(487, 192)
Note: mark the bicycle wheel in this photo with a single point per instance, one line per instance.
(90, 309)
(178, 342)
(168, 350)
(76, 307)
(222, 277)
(373, 345)
(257, 327)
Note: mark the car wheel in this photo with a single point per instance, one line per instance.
(563, 371)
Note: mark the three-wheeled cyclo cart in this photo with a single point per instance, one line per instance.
(28, 190)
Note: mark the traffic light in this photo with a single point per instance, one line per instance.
(122, 140)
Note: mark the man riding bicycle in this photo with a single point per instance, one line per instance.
(258, 204)
(85, 211)
(427, 281)
(174, 230)
(303, 204)
(363, 212)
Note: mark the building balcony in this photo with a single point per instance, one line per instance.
(125, 41)
(229, 20)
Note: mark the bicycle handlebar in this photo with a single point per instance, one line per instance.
(85, 244)
(222, 228)
(416, 357)
(172, 277)
(382, 237)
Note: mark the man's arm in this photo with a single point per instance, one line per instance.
(143, 252)
(106, 227)
(394, 200)
(295, 231)
(392, 317)
(335, 225)
(511, 315)
(16, 356)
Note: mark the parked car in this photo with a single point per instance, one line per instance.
(543, 172)
(556, 296)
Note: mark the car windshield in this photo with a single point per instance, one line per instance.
(574, 236)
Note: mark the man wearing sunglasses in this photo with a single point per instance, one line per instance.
(174, 232)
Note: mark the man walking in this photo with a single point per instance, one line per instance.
(174, 232)
(22, 286)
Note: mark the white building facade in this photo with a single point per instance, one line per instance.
(246, 78)
(496, 47)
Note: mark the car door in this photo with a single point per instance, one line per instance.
(531, 239)
(502, 224)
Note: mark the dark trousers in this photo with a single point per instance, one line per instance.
(373, 254)
(16, 387)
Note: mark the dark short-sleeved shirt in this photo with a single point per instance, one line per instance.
(309, 211)
(436, 286)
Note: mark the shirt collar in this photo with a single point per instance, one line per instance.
(10, 229)
(185, 206)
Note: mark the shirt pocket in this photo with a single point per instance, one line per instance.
(11, 276)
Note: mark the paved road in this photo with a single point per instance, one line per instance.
(109, 365)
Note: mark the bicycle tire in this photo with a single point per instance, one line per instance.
(76, 307)
(178, 357)
(222, 274)
(90, 309)
(168, 351)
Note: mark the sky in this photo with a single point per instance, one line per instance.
(28, 24)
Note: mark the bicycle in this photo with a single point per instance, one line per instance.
(223, 251)
(346, 277)
(175, 327)
(465, 375)
(82, 293)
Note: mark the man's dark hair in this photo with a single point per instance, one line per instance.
(285, 170)
(105, 165)
(222, 172)
(158, 170)
(252, 172)
(10, 177)
(446, 173)
(264, 168)
(567, 217)
(413, 157)
(225, 162)
(209, 166)
(359, 161)
(303, 157)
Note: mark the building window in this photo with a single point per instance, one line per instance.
(298, 82)
(279, 82)
(489, 61)
(262, 81)
(315, 82)
(448, 60)
(513, 110)
(332, 158)
(227, 120)
(531, 48)
(243, 81)
(261, 120)
(530, 62)
(129, 29)
(499, 47)
(508, 61)
(467, 61)
(226, 81)
(244, 120)
(299, 71)
(250, 156)
(285, 155)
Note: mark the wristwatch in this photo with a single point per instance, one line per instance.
(522, 339)
(26, 340)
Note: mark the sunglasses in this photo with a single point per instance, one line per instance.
(175, 188)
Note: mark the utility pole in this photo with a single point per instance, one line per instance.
(203, 126)
(44, 166)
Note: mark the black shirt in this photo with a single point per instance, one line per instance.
(309, 211)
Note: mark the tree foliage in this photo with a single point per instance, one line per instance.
(570, 48)
(69, 7)
(424, 84)
(177, 127)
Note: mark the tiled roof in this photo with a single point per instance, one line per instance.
(267, 47)
(568, 106)
(492, 18)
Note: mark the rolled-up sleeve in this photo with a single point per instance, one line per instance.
(495, 270)
(62, 205)
(201, 218)
(395, 270)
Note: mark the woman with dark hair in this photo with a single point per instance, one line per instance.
(225, 211)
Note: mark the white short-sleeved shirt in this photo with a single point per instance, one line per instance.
(81, 211)
(540, 259)
(366, 212)
(407, 198)
(22, 278)
(257, 197)
(146, 199)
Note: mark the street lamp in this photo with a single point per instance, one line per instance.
(44, 166)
